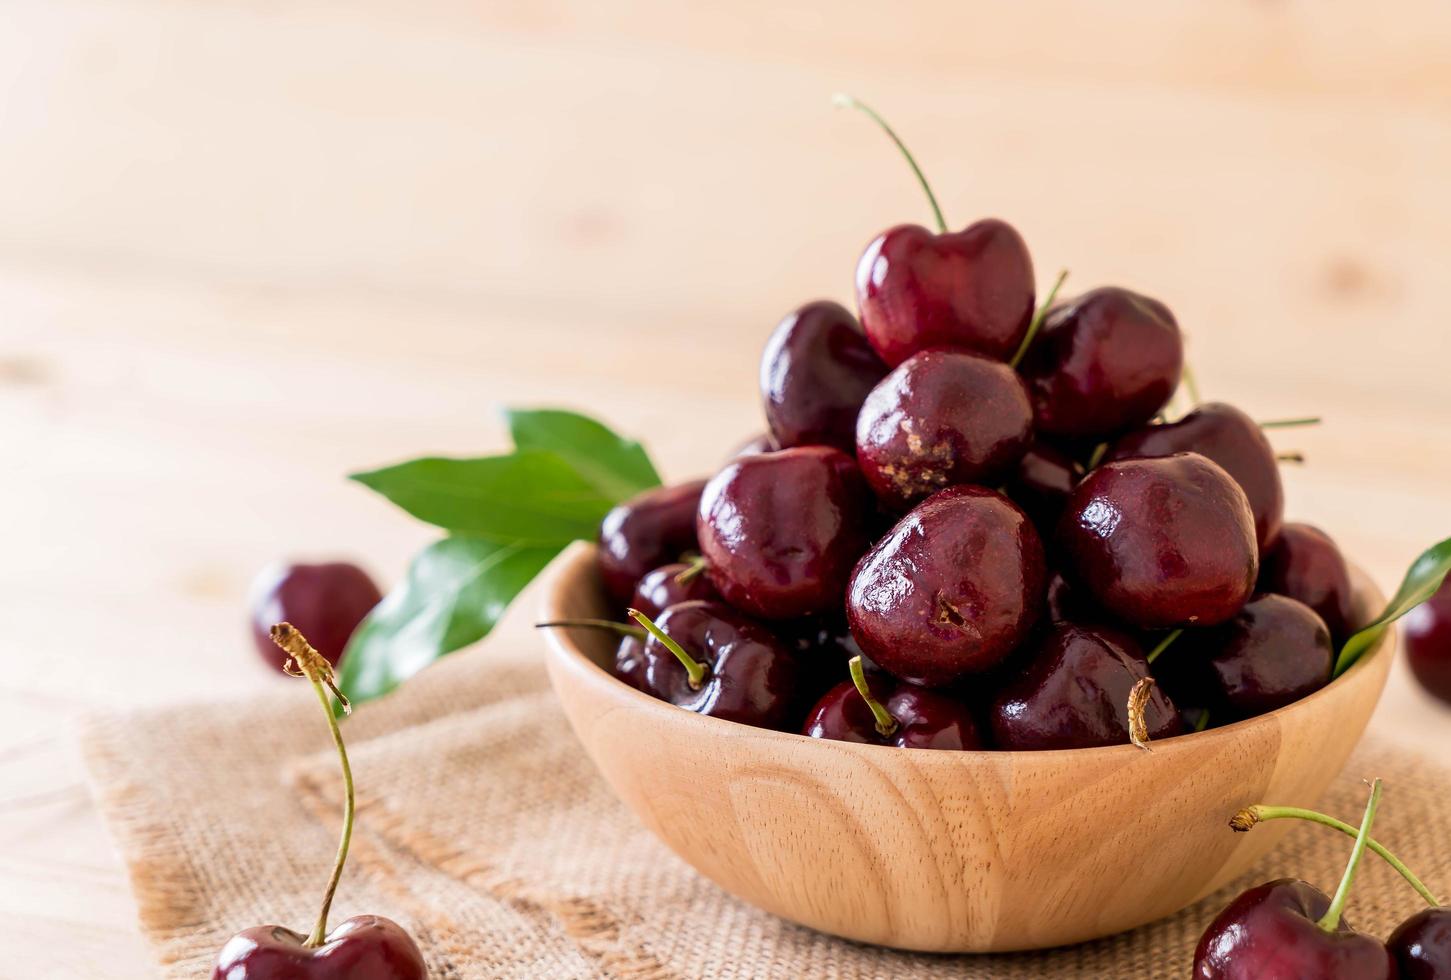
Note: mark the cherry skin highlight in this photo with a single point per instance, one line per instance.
(365, 947)
(1305, 564)
(815, 374)
(940, 419)
(1427, 630)
(1161, 542)
(648, 530)
(325, 601)
(1422, 945)
(970, 290)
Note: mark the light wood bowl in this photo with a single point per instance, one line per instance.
(948, 851)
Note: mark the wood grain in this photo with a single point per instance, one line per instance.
(248, 247)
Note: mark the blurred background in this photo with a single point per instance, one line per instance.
(249, 246)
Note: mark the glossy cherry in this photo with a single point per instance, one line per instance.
(1422, 945)
(669, 584)
(951, 590)
(941, 418)
(1427, 631)
(1102, 363)
(883, 711)
(1042, 482)
(650, 529)
(815, 373)
(711, 659)
(1161, 542)
(1073, 693)
(365, 947)
(782, 530)
(327, 602)
(1233, 440)
(1304, 563)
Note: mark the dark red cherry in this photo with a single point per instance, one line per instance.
(782, 530)
(648, 530)
(815, 373)
(630, 661)
(915, 718)
(1233, 440)
(661, 587)
(1102, 363)
(743, 671)
(1422, 945)
(969, 290)
(325, 601)
(1427, 629)
(1041, 483)
(1073, 693)
(1161, 542)
(950, 590)
(1305, 564)
(940, 419)
(1271, 931)
(365, 947)
(1273, 652)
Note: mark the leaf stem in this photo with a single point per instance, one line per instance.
(1330, 921)
(695, 671)
(886, 724)
(1247, 818)
(596, 624)
(1290, 423)
(842, 99)
(1164, 645)
(1037, 322)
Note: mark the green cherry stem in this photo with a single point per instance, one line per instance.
(594, 624)
(847, 101)
(886, 724)
(1290, 457)
(1164, 645)
(694, 669)
(695, 568)
(1096, 457)
(1330, 921)
(1038, 316)
(1202, 722)
(1290, 423)
(1246, 819)
(307, 662)
(1191, 386)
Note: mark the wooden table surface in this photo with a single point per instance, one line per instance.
(246, 247)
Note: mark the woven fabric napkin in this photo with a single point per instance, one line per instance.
(484, 829)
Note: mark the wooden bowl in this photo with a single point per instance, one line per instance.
(948, 851)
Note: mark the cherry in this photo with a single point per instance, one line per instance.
(1427, 631)
(648, 530)
(1305, 564)
(669, 584)
(1161, 542)
(907, 716)
(815, 373)
(364, 947)
(941, 418)
(1233, 440)
(710, 659)
(1422, 945)
(950, 590)
(782, 530)
(327, 601)
(1289, 928)
(1042, 482)
(763, 443)
(970, 290)
(1073, 693)
(1105, 362)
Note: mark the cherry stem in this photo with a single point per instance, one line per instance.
(695, 670)
(595, 624)
(1096, 457)
(1246, 819)
(307, 662)
(1037, 322)
(1290, 457)
(1191, 386)
(886, 724)
(1330, 921)
(1290, 423)
(1164, 645)
(842, 99)
(1202, 722)
(697, 567)
(1139, 695)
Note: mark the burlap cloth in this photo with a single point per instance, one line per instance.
(483, 828)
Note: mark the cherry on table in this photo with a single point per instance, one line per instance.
(941, 418)
(1421, 945)
(327, 601)
(650, 529)
(884, 711)
(782, 530)
(677, 582)
(1230, 438)
(1161, 542)
(1305, 564)
(951, 590)
(815, 373)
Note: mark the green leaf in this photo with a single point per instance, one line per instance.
(455, 591)
(1421, 582)
(532, 496)
(619, 467)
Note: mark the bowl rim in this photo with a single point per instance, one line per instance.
(566, 568)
